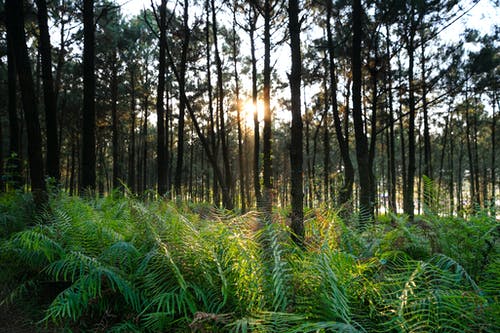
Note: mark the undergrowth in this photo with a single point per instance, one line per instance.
(117, 264)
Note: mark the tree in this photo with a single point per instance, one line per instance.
(88, 160)
(161, 131)
(48, 93)
(296, 149)
(15, 28)
(362, 153)
(266, 140)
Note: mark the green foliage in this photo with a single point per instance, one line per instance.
(116, 264)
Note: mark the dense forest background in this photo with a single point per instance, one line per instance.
(194, 101)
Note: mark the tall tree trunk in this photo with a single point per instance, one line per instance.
(296, 153)
(362, 152)
(427, 170)
(88, 160)
(493, 158)
(14, 161)
(160, 124)
(408, 203)
(238, 117)
(48, 93)
(228, 180)
(345, 193)
(145, 147)
(256, 128)
(182, 102)
(392, 145)
(267, 164)
(15, 28)
(114, 124)
(326, 138)
(131, 149)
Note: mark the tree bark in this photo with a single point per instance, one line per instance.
(14, 161)
(160, 111)
(15, 27)
(182, 102)
(296, 152)
(88, 160)
(267, 164)
(52, 162)
(345, 193)
(362, 152)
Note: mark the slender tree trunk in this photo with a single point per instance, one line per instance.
(182, 103)
(131, 149)
(238, 117)
(228, 180)
(145, 147)
(362, 152)
(493, 158)
(15, 28)
(392, 145)
(408, 203)
(345, 193)
(74, 153)
(296, 153)
(114, 124)
(48, 93)
(14, 160)
(160, 109)
(88, 160)
(256, 131)
(326, 142)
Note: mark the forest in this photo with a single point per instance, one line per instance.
(249, 166)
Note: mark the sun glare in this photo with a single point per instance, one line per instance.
(249, 109)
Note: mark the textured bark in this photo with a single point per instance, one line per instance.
(114, 125)
(241, 167)
(160, 109)
(88, 160)
(345, 193)
(15, 27)
(362, 152)
(13, 167)
(182, 102)
(408, 204)
(256, 128)
(266, 141)
(131, 149)
(296, 153)
(392, 145)
(220, 100)
(49, 96)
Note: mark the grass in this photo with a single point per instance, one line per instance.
(117, 264)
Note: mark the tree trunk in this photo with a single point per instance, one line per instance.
(296, 153)
(408, 203)
(392, 145)
(88, 161)
(13, 167)
(228, 180)
(267, 164)
(15, 27)
(114, 124)
(48, 93)
(345, 193)
(160, 124)
(238, 118)
(256, 128)
(362, 152)
(131, 149)
(182, 102)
